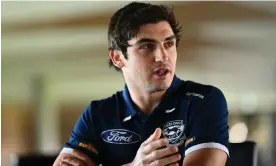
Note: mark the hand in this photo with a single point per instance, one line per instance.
(150, 153)
(72, 161)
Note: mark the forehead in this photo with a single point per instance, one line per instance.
(158, 31)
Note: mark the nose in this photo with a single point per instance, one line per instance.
(161, 55)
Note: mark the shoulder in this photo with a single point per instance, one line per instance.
(109, 101)
(97, 110)
(104, 105)
(207, 101)
(192, 91)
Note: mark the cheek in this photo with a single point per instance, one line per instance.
(173, 57)
(136, 66)
(140, 63)
(143, 63)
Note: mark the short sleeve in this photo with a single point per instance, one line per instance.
(83, 136)
(208, 124)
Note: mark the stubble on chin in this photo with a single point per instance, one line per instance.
(156, 88)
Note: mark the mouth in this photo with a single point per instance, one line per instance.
(161, 72)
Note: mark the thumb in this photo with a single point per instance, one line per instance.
(155, 136)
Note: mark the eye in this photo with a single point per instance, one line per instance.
(169, 44)
(148, 46)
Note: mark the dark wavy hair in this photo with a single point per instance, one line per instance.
(125, 24)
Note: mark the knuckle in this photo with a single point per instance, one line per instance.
(154, 155)
(144, 161)
(174, 158)
(158, 162)
(174, 164)
(143, 144)
(169, 151)
(164, 141)
(158, 144)
(74, 160)
(79, 163)
(171, 158)
(68, 160)
(141, 151)
(150, 146)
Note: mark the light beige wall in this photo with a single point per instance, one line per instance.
(17, 130)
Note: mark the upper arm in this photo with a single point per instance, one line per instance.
(74, 153)
(206, 157)
(207, 137)
(83, 137)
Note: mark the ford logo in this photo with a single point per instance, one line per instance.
(120, 136)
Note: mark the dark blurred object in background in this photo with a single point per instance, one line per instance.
(243, 154)
(32, 160)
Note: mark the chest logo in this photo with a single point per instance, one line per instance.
(174, 131)
(120, 136)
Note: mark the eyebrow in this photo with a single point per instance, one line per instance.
(149, 40)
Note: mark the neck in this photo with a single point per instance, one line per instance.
(146, 101)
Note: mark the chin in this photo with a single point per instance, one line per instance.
(158, 87)
(166, 82)
(160, 84)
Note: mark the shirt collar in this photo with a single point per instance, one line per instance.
(130, 110)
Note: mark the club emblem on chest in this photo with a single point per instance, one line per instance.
(174, 131)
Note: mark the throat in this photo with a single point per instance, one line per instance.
(146, 104)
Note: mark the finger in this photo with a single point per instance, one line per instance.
(74, 161)
(83, 157)
(80, 155)
(158, 154)
(174, 164)
(155, 136)
(166, 160)
(152, 146)
(63, 163)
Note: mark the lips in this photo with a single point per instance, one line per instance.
(161, 71)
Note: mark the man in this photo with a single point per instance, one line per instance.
(157, 119)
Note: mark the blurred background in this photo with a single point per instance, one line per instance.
(55, 61)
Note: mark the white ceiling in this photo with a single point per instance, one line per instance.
(237, 54)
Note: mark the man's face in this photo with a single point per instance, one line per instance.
(151, 57)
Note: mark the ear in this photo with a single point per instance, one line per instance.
(117, 58)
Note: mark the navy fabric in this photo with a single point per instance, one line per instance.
(111, 130)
